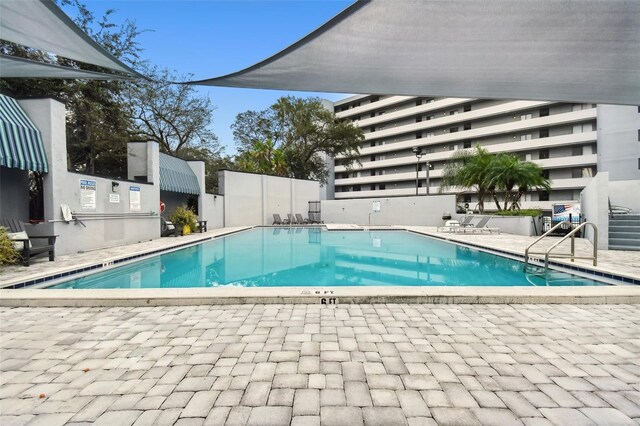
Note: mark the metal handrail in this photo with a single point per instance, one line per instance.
(572, 255)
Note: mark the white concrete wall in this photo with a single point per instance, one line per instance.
(252, 199)
(595, 208)
(625, 193)
(517, 225)
(212, 210)
(618, 145)
(63, 187)
(420, 210)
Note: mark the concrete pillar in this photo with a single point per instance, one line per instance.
(48, 115)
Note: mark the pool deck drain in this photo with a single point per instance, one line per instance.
(624, 263)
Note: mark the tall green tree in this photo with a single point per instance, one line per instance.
(470, 169)
(513, 177)
(297, 131)
(174, 115)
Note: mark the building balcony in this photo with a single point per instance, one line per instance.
(515, 126)
(406, 112)
(516, 146)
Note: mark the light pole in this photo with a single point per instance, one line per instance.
(418, 152)
(429, 167)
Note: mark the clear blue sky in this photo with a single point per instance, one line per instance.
(209, 38)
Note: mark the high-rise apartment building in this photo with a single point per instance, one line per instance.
(563, 138)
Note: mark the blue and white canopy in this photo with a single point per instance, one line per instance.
(20, 140)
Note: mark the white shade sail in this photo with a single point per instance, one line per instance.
(569, 50)
(11, 66)
(40, 24)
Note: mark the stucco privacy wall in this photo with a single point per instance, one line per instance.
(594, 203)
(63, 187)
(212, 210)
(418, 210)
(625, 193)
(516, 225)
(252, 199)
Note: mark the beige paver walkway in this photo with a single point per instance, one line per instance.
(310, 365)
(614, 261)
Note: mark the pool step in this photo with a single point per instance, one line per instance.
(624, 232)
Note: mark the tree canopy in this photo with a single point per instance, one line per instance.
(102, 116)
(290, 137)
(502, 175)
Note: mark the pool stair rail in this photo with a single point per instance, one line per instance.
(533, 256)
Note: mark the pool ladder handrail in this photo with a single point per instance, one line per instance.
(572, 255)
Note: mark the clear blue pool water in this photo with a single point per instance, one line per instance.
(282, 257)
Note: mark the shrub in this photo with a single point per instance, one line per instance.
(8, 254)
(525, 212)
(183, 216)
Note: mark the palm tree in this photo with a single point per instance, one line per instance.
(507, 172)
(470, 169)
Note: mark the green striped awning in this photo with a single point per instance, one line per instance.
(177, 176)
(20, 140)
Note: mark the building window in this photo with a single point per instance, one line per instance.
(576, 150)
(544, 133)
(543, 154)
(543, 196)
(372, 129)
(356, 188)
(419, 102)
(466, 144)
(451, 147)
(373, 187)
(418, 135)
(545, 174)
(453, 112)
(372, 172)
(345, 176)
(418, 119)
(467, 126)
(373, 158)
(544, 112)
(375, 99)
(382, 187)
(466, 198)
(372, 144)
(525, 117)
(430, 117)
(429, 134)
(582, 172)
(638, 135)
(428, 150)
(467, 108)
(525, 137)
(453, 130)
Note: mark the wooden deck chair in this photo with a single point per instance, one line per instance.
(22, 241)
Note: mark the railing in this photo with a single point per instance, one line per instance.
(547, 253)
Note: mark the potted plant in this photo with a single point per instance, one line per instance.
(184, 220)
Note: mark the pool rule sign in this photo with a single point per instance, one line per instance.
(88, 190)
(134, 198)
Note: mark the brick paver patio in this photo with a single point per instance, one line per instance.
(310, 365)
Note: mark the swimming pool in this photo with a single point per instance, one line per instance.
(286, 257)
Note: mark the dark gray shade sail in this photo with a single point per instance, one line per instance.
(14, 67)
(177, 176)
(40, 24)
(569, 50)
(20, 140)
